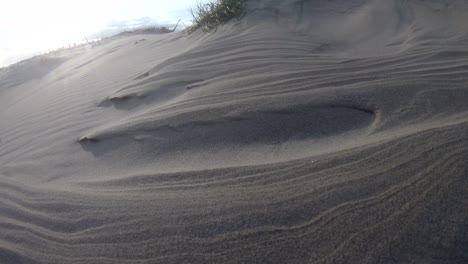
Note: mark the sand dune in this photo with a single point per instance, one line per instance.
(307, 132)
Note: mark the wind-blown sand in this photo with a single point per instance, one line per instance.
(308, 132)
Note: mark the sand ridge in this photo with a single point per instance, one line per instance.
(306, 132)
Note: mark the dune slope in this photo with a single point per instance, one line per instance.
(307, 132)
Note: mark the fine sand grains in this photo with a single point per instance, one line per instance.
(307, 132)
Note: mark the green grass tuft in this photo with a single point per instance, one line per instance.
(209, 15)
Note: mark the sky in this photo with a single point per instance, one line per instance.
(31, 27)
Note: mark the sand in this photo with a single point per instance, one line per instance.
(306, 132)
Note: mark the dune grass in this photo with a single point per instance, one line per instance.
(208, 15)
(147, 30)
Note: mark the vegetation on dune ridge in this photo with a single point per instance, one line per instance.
(209, 15)
(146, 30)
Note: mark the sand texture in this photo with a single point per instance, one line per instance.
(306, 132)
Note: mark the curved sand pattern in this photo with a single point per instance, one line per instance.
(308, 132)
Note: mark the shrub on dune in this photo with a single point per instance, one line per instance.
(209, 15)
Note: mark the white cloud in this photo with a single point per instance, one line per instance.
(28, 26)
